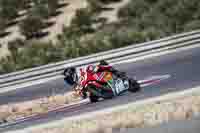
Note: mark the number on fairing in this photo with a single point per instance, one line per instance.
(119, 85)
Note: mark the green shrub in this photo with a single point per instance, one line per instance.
(70, 32)
(31, 26)
(167, 16)
(193, 25)
(134, 9)
(8, 9)
(53, 5)
(2, 26)
(23, 4)
(38, 53)
(7, 65)
(83, 20)
(40, 10)
(95, 5)
(139, 21)
(45, 8)
(33, 54)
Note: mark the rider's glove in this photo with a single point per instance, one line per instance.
(96, 68)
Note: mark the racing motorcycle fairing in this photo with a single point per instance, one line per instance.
(106, 82)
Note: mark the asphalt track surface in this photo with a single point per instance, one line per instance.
(184, 68)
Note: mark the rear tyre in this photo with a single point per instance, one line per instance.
(70, 76)
(134, 86)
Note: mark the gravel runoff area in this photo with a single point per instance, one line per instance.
(11, 112)
(176, 106)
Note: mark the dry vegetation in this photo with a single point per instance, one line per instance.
(145, 115)
(11, 112)
(62, 19)
(73, 33)
(90, 31)
(67, 12)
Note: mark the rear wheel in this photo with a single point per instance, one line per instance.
(70, 76)
(134, 86)
(103, 62)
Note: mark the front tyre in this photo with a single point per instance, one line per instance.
(134, 86)
(93, 98)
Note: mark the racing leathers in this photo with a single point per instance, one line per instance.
(95, 73)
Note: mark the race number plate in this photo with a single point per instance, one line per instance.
(119, 85)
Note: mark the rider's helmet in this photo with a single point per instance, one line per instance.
(70, 75)
(90, 69)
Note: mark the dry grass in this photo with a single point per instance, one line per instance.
(148, 115)
(12, 111)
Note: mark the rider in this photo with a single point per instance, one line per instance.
(87, 75)
(91, 70)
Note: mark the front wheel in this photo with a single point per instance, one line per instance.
(134, 86)
(93, 98)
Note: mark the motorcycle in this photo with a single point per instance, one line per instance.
(109, 86)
